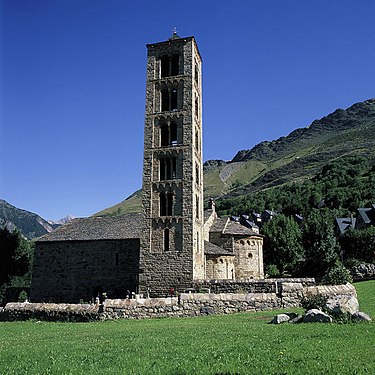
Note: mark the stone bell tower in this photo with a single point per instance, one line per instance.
(172, 253)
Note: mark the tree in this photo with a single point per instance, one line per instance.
(359, 244)
(16, 254)
(319, 241)
(283, 246)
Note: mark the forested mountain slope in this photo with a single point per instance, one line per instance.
(298, 157)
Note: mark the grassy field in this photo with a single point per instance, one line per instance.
(231, 344)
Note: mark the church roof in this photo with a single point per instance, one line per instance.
(219, 225)
(212, 249)
(235, 228)
(97, 228)
(226, 226)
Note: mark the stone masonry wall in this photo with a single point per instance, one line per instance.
(70, 272)
(187, 304)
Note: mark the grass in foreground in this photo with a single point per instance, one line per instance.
(231, 344)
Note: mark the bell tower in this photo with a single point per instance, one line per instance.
(172, 253)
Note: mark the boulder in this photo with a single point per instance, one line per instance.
(297, 319)
(280, 318)
(207, 311)
(342, 305)
(292, 315)
(315, 315)
(361, 317)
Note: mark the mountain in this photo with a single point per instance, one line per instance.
(62, 221)
(298, 156)
(294, 158)
(29, 224)
(132, 204)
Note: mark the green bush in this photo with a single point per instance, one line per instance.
(337, 275)
(314, 301)
(22, 297)
(272, 270)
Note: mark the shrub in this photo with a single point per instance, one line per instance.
(272, 270)
(314, 301)
(22, 297)
(336, 275)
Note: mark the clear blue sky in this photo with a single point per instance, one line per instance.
(73, 85)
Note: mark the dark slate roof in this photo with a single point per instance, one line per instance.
(365, 213)
(225, 226)
(212, 249)
(219, 225)
(238, 229)
(97, 228)
(345, 223)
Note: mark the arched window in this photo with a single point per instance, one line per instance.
(164, 135)
(164, 66)
(170, 65)
(163, 204)
(169, 99)
(198, 242)
(168, 169)
(165, 100)
(196, 74)
(173, 99)
(196, 107)
(197, 139)
(173, 132)
(166, 239)
(166, 204)
(175, 66)
(168, 134)
(197, 175)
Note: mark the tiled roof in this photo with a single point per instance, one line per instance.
(97, 228)
(345, 223)
(365, 213)
(238, 229)
(219, 225)
(212, 249)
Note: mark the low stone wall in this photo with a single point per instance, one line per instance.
(186, 304)
(364, 271)
(250, 286)
(192, 304)
(50, 312)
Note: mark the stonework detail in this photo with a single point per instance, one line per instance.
(185, 305)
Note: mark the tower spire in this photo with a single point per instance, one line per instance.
(174, 34)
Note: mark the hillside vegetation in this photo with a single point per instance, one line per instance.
(296, 158)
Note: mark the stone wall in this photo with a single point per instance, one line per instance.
(186, 304)
(250, 286)
(77, 270)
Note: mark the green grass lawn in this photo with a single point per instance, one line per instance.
(230, 344)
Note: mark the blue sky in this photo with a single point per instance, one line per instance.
(73, 85)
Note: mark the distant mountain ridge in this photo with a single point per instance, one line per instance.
(338, 121)
(62, 221)
(295, 157)
(29, 224)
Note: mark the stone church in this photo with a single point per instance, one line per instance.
(174, 241)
